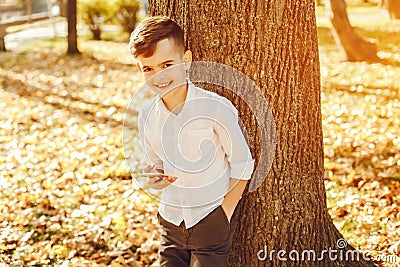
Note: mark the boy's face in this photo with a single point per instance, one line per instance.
(164, 71)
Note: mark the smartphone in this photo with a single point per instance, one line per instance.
(150, 174)
(160, 176)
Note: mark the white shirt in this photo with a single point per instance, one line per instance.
(203, 146)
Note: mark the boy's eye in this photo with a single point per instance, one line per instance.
(167, 65)
(146, 69)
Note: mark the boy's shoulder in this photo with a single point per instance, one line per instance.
(148, 106)
(216, 98)
(202, 93)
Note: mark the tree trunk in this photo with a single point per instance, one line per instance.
(28, 7)
(63, 8)
(96, 32)
(72, 34)
(2, 44)
(393, 7)
(355, 47)
(275, 44)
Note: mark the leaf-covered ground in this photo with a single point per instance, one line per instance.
(361, 124)
(66, 197)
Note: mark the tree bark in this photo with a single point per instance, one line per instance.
(393, 7)
(355, 47)
(72, 34)
(275, 44)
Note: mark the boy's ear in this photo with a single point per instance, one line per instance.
(187, 58)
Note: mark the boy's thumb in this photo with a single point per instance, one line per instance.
(148, 168)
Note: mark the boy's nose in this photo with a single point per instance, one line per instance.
(159, 76)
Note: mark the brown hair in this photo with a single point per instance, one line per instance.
(150, 31)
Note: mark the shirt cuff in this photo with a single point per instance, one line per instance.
(242, 170)
(158, 167)
(158, 164)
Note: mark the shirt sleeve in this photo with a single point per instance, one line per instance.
(233, 142)
(146, 144)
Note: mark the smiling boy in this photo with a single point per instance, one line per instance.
(193, 136)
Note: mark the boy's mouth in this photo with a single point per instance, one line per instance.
(163, 85)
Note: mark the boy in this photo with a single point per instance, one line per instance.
(193, 136)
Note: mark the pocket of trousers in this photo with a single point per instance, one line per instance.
(225, 216)
(159, 219)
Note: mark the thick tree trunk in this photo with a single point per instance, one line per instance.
(72, 34)
(393, 7)
(275, 44)
(355, 47)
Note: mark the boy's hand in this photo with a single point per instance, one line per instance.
(231, 199)
(148, 168)
(228, 212)
(158, 182)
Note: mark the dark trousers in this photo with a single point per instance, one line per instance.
(206, 244)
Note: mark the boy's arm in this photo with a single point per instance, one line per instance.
(236, 188)
(238, 154)
(146, 145)
(233, 141)
(154, 182)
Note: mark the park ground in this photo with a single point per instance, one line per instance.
(67, 198)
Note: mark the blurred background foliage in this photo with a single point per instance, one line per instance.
(96, 13)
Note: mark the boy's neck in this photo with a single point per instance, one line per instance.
(175, 99)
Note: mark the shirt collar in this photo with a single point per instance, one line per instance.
(191, 92)
(160, 107)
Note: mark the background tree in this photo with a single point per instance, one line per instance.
(127, 14)
(275, 44)
(355, 47)
(72, 34)
(96, 13)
